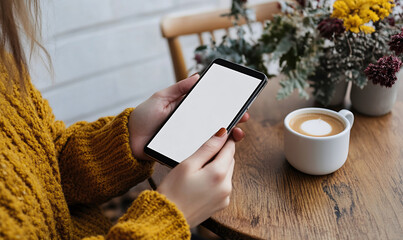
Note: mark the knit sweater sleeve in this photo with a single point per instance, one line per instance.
(95, 158)
(151, 216)
(96, 162)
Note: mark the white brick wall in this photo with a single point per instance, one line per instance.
(107, 54)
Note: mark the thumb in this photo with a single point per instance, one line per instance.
(179, 89)
(208, 150)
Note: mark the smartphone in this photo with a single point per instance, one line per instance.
(219, 98)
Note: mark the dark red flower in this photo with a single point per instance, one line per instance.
(301, 2)
(391, 21)
(384, 71)
(396, 43)
(331, 27)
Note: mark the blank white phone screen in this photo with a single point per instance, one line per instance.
(211, 105)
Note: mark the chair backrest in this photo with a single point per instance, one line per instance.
(174, 26)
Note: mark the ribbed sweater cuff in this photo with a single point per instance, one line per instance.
(114, 148)
(151, 216)
(97, 162)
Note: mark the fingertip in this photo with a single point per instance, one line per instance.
(195, 74)
(221, 133)
(192, 80)
(245, 117)
(193, 77)
(210, 148)
(238, 134)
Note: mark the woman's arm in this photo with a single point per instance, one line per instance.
(95, 159)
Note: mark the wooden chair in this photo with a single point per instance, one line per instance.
(175, 26)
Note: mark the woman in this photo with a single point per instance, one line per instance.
(52, 178)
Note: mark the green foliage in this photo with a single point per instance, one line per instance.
(305, 58)
(238, 10)
(293, 41)
(236, 50)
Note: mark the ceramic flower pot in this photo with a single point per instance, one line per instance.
(374, 100)
(340, 90)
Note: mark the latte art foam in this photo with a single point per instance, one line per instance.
(316, 127)
(316, 124)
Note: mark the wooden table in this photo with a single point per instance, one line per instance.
(272, 200)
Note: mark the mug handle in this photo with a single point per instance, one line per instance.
(348, 115)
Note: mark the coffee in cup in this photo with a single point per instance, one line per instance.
(316, 140)
(316, 124)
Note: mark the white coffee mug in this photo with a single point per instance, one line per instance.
(317, 155)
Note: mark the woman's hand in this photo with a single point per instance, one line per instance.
(199, 187)
(148, 116)
(201, 184)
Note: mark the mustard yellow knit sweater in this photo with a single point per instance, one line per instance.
(52, 178)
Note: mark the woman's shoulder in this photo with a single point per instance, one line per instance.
(13, 81)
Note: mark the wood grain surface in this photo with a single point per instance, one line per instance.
(272, 200)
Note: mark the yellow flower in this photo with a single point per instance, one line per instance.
(340, 9)
(368, 15)
(356, 13)
(353, 23)
(367, 29)
(383, 7)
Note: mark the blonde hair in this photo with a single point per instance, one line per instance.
(19, 20)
